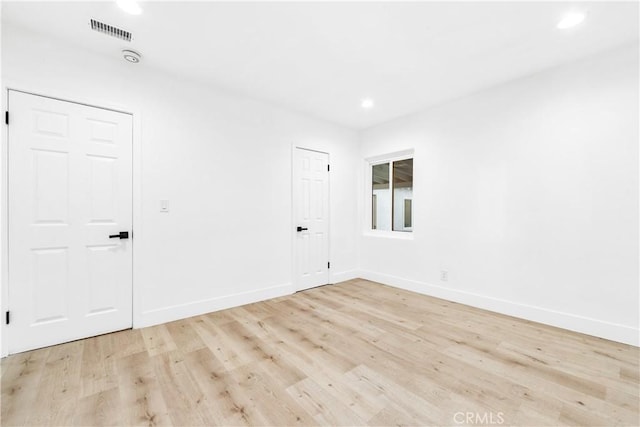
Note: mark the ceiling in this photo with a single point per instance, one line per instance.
(324, 58)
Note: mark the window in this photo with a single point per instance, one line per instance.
(392, 195)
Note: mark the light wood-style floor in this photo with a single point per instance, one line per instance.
(356, 353)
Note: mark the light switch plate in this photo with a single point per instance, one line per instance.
(164, 206)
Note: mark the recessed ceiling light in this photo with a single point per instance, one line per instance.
(367, 103)
(130, 6)
(570, 20)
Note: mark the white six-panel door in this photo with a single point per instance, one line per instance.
(311, 215)
(69, 189)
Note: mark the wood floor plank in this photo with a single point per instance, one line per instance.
(184, 398)
(220, 344)
(59, 387)
(355, 353)
(99, 409)
(268, 397)
(403, 408)
(141, 399)
(126, 343)
(20, 380)
(158, 340)
(97, 372)
(584, 399)
(325, 408)
(185, 336)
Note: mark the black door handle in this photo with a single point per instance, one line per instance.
(121, 235)
(299, 229)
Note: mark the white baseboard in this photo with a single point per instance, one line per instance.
(599, 328)
(344, 276)
(196, 308)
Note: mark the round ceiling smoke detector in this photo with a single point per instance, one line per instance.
(131, 56)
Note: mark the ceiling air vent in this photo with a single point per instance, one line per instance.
(110, 30)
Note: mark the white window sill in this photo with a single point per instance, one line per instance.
(400, 235)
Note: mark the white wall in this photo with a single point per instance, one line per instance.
(223, 161)
(527, 193)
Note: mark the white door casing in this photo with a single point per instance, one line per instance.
(69, 189)
(311, 213)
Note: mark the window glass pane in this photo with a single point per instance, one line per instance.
(381, 197)
(402, 195)
(407, 213)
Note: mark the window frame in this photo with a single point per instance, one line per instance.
(369, 163)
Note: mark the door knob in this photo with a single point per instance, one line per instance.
(121, 235)
(299, 229)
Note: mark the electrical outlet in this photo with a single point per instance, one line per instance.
(444, 275)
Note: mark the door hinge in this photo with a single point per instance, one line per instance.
(8, 317)
(328, 168)
(6, 117)
(328, 265)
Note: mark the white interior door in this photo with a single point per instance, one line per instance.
(70, 188)
(311, 216)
